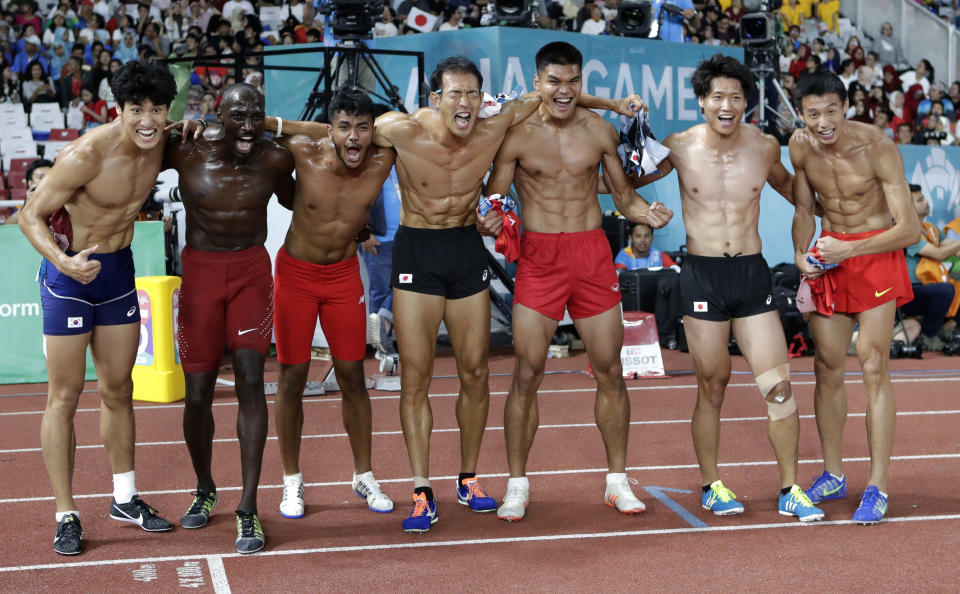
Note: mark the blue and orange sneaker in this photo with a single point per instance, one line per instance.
(423, 516)
(873, 506)
(470, 493)
(796, 503)
(827, 486)
(721, 500)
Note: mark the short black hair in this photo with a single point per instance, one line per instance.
(28, 174)
(351, 101)
(455, 64)
(136, 81)
(821, 82)
(560, 53)
(721, 66)
(915, 188)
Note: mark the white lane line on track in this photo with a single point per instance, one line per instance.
(336, 398)
(472, 542)
(910, 413)
(666, 467)
(218, 574)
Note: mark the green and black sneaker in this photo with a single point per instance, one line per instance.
(250, 537)
(69, 540)
(199, 512)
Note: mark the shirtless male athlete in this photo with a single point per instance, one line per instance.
(857, 175)
(318, 274)
(565, 263)
(87, 288)
(440, 263)
(725, 282)
(227, 177)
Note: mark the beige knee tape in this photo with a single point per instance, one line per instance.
(767, 381)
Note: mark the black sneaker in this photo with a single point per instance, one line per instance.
(250, 537)
(199, 512)
(139, 513)
(69, 540)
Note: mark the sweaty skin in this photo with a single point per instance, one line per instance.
(227, 177)
(856, 174)
(339, 176)
(102, 179)
(722, 166)
(553, 157)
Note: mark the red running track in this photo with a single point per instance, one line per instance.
(569, 540)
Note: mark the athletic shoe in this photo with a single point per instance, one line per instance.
(514, 504)
(367, 487)
(291, 506)
(139, 513)
(470, 493)
(873, 506)
(796, 503)
(721, 500)
(250, 537)
(423, 516)
(826, 486)
(373, 331)
(199, 512)
(620, 496)
(69, 540)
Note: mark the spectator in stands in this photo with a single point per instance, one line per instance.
(881, 119)
(94, 31)
(191, 46)
(71, 83)
(155, 40)
(387, 25)
(124, 23)
(932, 132)
(953, 93)
(143, 19)
(57, 61)
(294, 8)
(933, 293)
(904, 134)
(938, 92)
(230, 8)
(735, 11)
(660, 292)
(29, 55)
(793, 33)
(922, 74)
(94, 109)
(208, 106)
(100, 70)
(887, 47)
(105, 91)
(9, 88)
(127, 50)
(671, 27)
(27, 16)
(595, 25)
(201, 13)
(452, 15)
(896, 109)
(37, 86)
(793, 13)
(911, 99)
(891, 81)
(31, 179)
(943, 123)
(813, 65)
(58, 33)
(800, 62)
(176, 23)
(847, 72)
(828, 12)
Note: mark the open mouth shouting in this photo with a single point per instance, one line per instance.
(726, 119)
(147, 135)
(244, 143)
(826, 135)
(352, 153)
(462, 119)
(563, 104)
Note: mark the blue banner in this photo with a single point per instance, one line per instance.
(658, 71)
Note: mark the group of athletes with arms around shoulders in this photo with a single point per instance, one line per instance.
(550, 146)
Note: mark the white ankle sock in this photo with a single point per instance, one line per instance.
(62, 515)
(290, 477)
(519, 482)
(124, 486)
(615, 477)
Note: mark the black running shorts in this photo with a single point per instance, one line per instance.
(447, 262)
(718, 289)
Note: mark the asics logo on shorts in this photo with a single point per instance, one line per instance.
(361, 299)
(485, 272)
(131, 311)
(769, 299)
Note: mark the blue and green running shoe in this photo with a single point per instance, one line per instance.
(827, 486)
(721, 500)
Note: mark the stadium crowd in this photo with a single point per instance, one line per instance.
(67, 51)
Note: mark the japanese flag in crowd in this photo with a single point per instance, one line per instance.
(420, 20)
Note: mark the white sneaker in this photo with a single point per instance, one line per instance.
(373, 332)
(367, 487)
(292, 504)
(514, 504)
(620, 495)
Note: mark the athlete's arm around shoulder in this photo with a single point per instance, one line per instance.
(77, 165)
(283, 128)
(627, 201)
(500, 180)
(282, 164)
(395, 126)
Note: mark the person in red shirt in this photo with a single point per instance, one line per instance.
(94, 108)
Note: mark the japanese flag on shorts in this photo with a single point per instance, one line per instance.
(700, 306)
(420, 20)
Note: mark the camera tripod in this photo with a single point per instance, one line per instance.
(350, 64)
(765, 74)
